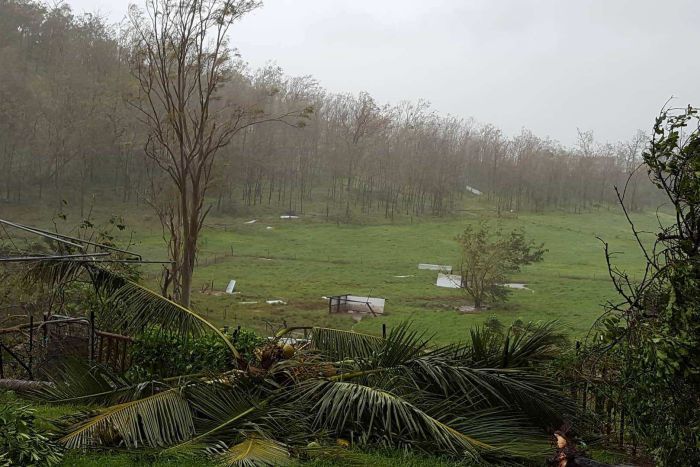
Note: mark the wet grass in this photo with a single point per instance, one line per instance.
(300, 261)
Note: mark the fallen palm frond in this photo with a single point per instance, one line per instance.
(255, 452)
(154, 421)
(397, 392)
(339, 344)
(78, 381)
(344, 407)
(521, 346)
(220, 410)
(142, 308)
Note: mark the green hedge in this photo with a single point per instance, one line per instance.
(158, 354)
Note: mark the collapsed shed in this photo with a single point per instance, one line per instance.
(356, 304)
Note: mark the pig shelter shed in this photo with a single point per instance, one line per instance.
(356, 304)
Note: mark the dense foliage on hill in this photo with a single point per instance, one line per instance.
(68, 131)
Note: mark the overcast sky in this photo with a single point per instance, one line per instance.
(551, 66)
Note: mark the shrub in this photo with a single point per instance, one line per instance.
(246, 342)
(21, 442)
(162, 355)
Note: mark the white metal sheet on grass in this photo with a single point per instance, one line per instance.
(436, 267)
(450, 281)
(231, 285)
(517, 286)
(275, 302)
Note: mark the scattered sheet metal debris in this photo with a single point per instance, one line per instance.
(518, 286)
(275, 302)
(467, 309)
(247, 303)
(450, 281)
(231, 285)
(268, 227)
(289, 217)
(436, 267)
(251, 222)
(410, 275)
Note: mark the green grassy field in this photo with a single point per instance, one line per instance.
(300, 261)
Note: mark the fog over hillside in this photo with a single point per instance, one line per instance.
(550, 66)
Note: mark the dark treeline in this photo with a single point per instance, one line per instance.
(68, 132)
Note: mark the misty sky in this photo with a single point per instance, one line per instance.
(551, 66)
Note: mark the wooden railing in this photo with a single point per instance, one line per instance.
(31, 346)
(112, 350)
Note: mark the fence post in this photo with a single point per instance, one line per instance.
(44, 329)
(2, 367)
(91, 337)
(384, 330)
(622, 427)
(31, 347)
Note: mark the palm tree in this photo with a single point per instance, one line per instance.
(482, 400)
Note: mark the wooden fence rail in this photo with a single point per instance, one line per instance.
(31, 346)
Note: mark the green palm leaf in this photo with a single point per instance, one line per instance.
(76, 380)
(254, 452)
(340, 345)
(155, 421)
(535, 343)
(345, 406)
(222, 410)
(54, 273)
(137, 308)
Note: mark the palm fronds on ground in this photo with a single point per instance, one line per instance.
(399, 393)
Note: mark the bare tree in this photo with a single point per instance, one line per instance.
(181, 59)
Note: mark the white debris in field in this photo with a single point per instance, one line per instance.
(275, 302)
(473, 190)
(517, 286)
(401, 277)
(450, 281)
(268, 227)
(467, 309)
(251, 222)
(231, 285)
(289, 217)
(436, 267)
(247, 303)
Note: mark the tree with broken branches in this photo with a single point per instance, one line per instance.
(181, 59)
